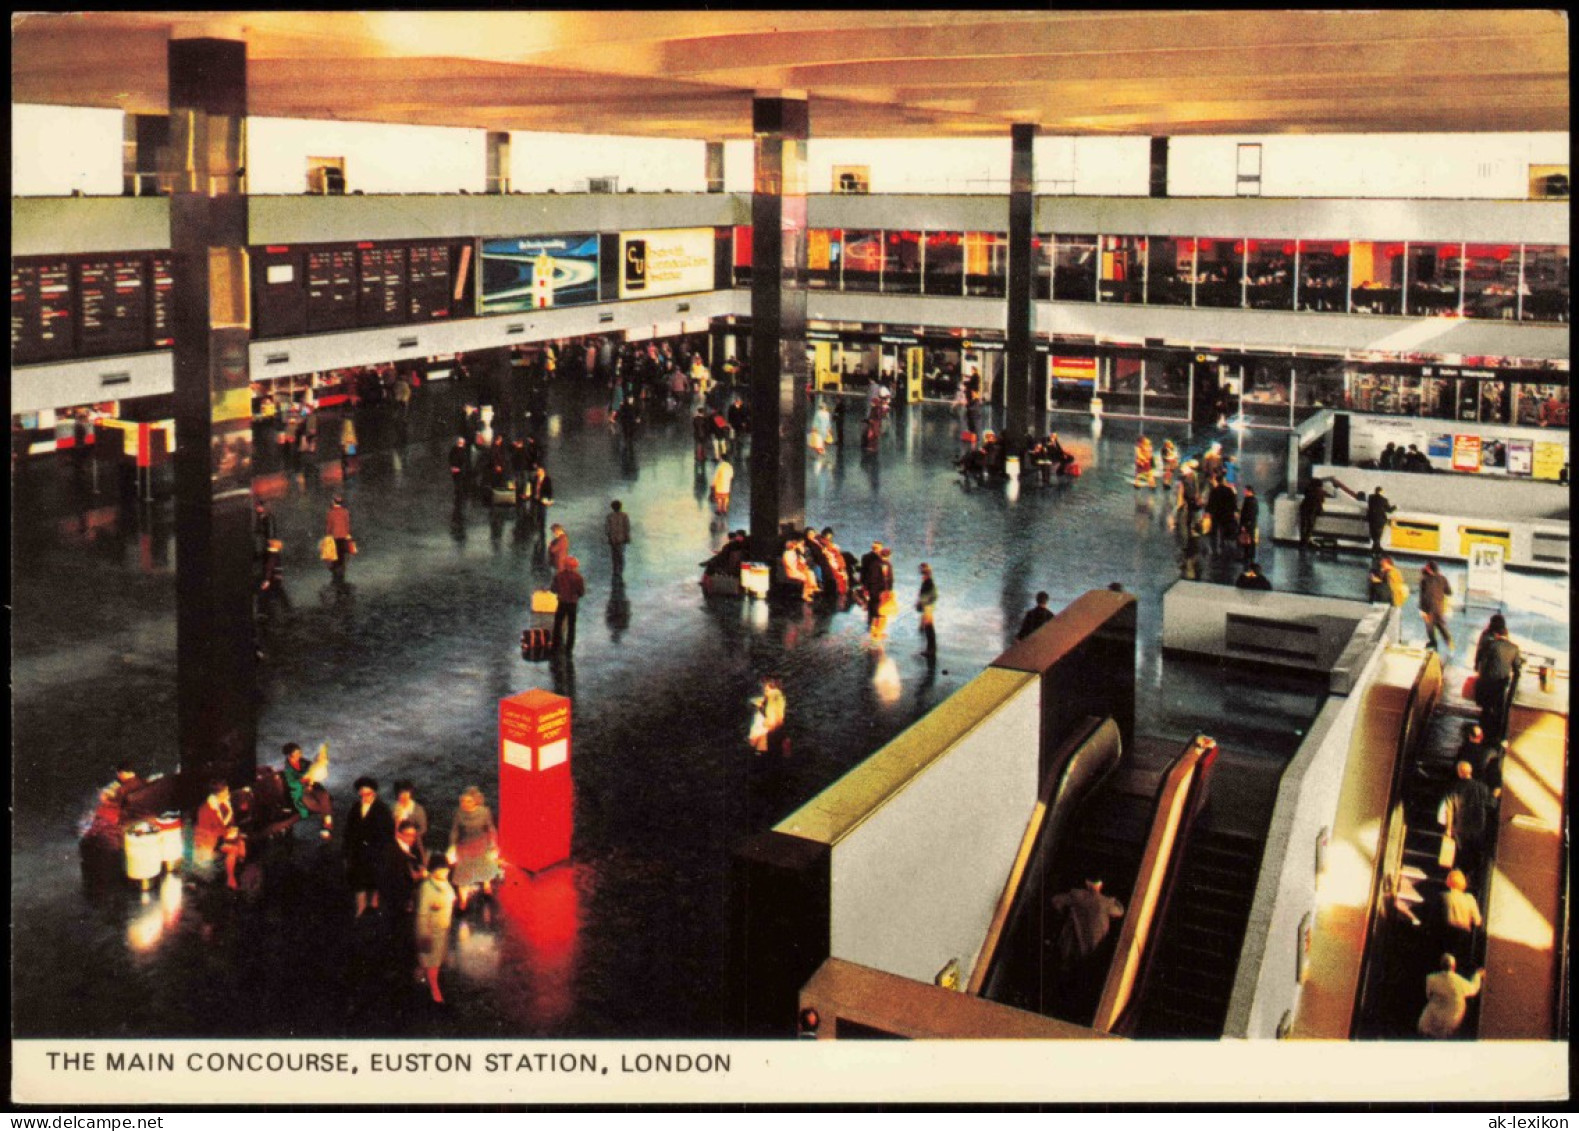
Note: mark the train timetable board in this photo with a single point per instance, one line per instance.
(161, 302)
(331, 288)
(428, 294)
(381, 294)
(42, 321)
(112, 305)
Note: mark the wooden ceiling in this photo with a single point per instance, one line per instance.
(683, 74)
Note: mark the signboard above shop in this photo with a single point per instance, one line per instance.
(677, 261)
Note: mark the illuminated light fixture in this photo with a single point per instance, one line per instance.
(809, 1020)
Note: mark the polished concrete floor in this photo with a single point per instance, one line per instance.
(401, 671)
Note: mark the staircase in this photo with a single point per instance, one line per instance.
(1198, 949)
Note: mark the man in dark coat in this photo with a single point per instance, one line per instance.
(1498, 662)
(365, 834)
(877, 578)
(1434, 592)
(460, 468)
(569, 586)
(1035, 617)
(1311, 504)
(1249, 523)
(1221, 506)
(1377, 508)
(1468, 814)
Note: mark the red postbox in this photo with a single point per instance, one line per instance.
(534, 779)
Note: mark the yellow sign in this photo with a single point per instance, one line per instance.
(1469, 536)
(817, 258)
(1550, 458)
(1425, 537)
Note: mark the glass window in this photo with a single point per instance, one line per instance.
(1075, 269)
(1318, 385)
(987, 264)
(1436, 397)
(1378, 272)
(1270, 274)
(1265, 394)
(941, 373)
(1042, 263)
(742, 257)
(1433, 278)
(1491, 280)
(1545, 284)
(1323, 275)
(1219, 273)
(1123, 277)
(824, 250)
(1170, 265)
(1168, 384)
(1072, 379)
(945, 264)
(1494, 402)
(863, 260)
(1542, 406)
(902, 272)
(1122, 392)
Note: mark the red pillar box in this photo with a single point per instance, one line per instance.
(534, 779)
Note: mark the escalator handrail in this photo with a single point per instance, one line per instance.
(1059, 797)
(1168, 819)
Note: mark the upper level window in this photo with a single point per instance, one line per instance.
(1042, 264)
(1434, 278)
(1075, 269)
(986, 264)
(1491, 280)
(902, 271)
(1546, 281)
(945, 264)
(1123, 277)
(1377, 273)
(863, 260)
(1269, 269)
(1323, 275)
(1170, 267)
(824, 252)
(1219, 272)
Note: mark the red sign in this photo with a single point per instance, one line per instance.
(535, 793)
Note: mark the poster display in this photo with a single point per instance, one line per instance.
(1550, 459)
(535, 272)
(1466, 453)
(1521, 457)
(673, 262)
(1440, 446)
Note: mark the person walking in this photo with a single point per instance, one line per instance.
(1249, 524)
(767, 719)
(569, 586)
(348, 446)
(926, 604)
(366, 832)
(617, 529)
(337, 525)
(1088, 915)
(558, 547)
(1434, 606)
(434, 904)
(1468, 813)
(1387, 586)
(1377, 510)
(460, 470)
(1311, 504)
(1498, 662)
(723, 482)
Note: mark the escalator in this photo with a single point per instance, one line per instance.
(1197, 952)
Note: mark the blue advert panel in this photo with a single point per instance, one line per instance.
(535, 272)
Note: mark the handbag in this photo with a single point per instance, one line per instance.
(545, 601)
(1447, 853)
(327, 550)
(1469, 686)
(351, 545)
(1245, 537)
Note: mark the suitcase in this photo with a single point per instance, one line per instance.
(967, 437)
(503, 496)
(1072, 469)
(537, 643)
(544, 601)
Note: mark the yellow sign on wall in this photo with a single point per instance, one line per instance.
(1550, 458)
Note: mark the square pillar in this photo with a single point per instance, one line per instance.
(1020, 413)
(215, 635)
(715, 166)
(778, 320)
(497, 175)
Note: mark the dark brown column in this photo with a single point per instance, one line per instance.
(715, 166)
(1159, 166)
(144, 152)
(778, 320)
(215, 636)
(1019, 411)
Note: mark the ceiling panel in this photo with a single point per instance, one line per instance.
(867, 73)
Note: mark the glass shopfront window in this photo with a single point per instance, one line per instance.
(945, 264)
(1541, 406)
(1436, 397)
(1168, 386)
(1123, 277)
(1071, 379)
(1269, 273)
(1121, 385)
(1042, 267)
(863, 260)
(902, 272)
(742, 263)
(1319, 384)
(986, 264)
(1264, 394)
(1495, 402)
(1546, 284)
(1491, 280)
(1219, 273)
(1378, 278)
(1433, 275)
(824, 255)
(1075, 269)
(1324, 275)
(1170, 267)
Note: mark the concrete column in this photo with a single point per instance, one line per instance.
(497, 177)
(145, 142)
(778, 320)
(715, 166)
(1159, 166)
(215, 635)
(1019, 413)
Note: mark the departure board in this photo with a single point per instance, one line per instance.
(394, 285)
(112, 304)
(279, 293)
(331, 288)
(161, 302)
(41, 310)
(370, 285)
(428, 295)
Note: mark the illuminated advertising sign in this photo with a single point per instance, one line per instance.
(534, 272)
(674, 262)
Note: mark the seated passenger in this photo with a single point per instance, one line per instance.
(1252, 578)
(796, 571)
(216, 834)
